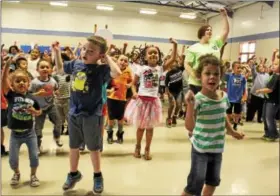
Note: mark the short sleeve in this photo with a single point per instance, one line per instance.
(139, 71)
(197, 105)
(10, 95)
(68, 66)
(219, 43)
(167, 79)
(107, 75)
(272, 83)
(190, 57)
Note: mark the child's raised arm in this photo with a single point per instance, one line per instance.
(173, 55)
(57, 57)
(115, 70)
(5, 77)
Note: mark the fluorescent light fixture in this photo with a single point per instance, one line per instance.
(13, 1)
(188, 15)
(59, 3)
(148, 11)
(105, 7)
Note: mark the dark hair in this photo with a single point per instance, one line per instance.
(201, 31)
(99, 41)
(208, 59)
(143, 54)
(15, 47)
(234, 63)
(41, 60)
(20, 59)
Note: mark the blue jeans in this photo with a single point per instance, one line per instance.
(16, 141)
(269, 117)
(205, 169)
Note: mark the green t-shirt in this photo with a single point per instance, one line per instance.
(195, 51)
(209, 132)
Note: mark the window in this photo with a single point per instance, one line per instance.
(247, 50)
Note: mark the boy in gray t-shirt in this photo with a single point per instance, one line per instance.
(43, 88)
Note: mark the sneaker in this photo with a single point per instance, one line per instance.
(174, 121)
(98, 184)
(34, 181)
(169, 122)
(120, 137)
(264, 137)
(110, 137)
(71, 181)
(58, 142)
(15, 179)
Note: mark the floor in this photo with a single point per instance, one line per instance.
(250, 167)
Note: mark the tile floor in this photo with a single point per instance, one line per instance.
(250, 167)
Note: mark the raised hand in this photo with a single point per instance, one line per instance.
(190, 97)
(173, 41)
(223, 12)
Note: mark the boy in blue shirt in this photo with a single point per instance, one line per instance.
(88, 93)
(236, 87)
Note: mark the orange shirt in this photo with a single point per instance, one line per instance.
(119, 85)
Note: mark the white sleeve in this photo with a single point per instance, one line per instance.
(139, 70)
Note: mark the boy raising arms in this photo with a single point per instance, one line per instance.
(88, 91)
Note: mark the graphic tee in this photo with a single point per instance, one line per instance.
(174, 80)
(236, 86)
(18, 117)
(149, 80)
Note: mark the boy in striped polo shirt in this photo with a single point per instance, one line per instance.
(206, 122)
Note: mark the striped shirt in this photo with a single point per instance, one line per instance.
(209, 132)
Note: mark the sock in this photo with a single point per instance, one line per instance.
(96, 175)
(120, 127)
(74, 173)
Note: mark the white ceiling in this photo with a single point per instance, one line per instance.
(164, 8)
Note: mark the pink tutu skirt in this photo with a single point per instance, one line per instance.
(144, 112)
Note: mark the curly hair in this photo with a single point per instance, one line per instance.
(143, 54)
(208, 59)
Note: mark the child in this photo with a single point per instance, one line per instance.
(271, 104)
(88, 95)
(33, 62)
(22, 64)
(22, 108)
(43, 88)
(145, 112)
(116, 101)
(206, 122)
(257, 100)
(4, 110)
(236, 87)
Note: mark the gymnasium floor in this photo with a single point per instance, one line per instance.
(250, 167)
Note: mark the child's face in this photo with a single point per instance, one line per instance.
(20, 83)
(261, 69)
(275, 67)
(44, 69)
(210, 77)
(91, 53)
(237, 69)
(13, 51)
(152, 56)
(23, 64)
(35, 54)
(123, 62)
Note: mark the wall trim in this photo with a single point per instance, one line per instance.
(260, 36)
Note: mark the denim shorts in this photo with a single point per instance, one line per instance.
(205, 169)
(85, 130)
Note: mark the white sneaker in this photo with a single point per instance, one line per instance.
(34, 181)
(15, 179)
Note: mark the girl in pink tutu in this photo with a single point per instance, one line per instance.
(145, 111)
